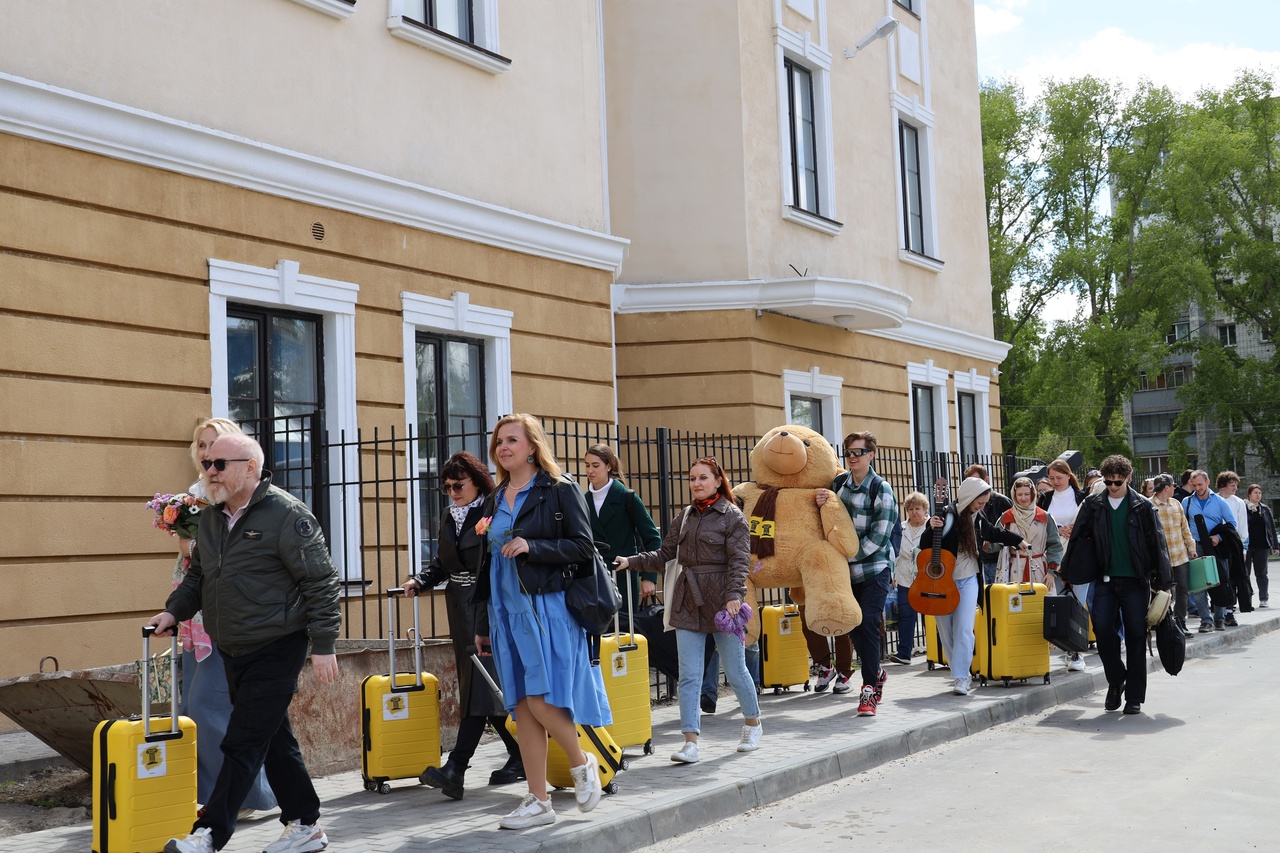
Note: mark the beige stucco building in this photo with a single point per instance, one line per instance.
(659, 213)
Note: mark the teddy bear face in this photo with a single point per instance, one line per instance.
(792, 456)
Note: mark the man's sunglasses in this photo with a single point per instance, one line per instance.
(447, 488)
(1115, 484)
(220, 464)
(856, 452)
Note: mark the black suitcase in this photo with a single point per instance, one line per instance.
(1066, 622)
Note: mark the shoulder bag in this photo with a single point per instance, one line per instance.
(672, 573)
(592, 595)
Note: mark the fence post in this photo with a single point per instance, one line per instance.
(320, 473)
(664, 477)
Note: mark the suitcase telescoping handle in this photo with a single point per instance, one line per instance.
(630, 646)
(175, 730)
(392, 595)
(484, 673)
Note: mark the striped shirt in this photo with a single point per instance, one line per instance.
(1176, 531)
(873, 519)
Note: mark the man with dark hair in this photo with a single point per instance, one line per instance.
(1118, 545)
(869, 500)
(1183, 491)
(996, 507)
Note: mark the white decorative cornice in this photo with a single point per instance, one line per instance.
(946, 339)
(340, 9)
(851, 304)
(38, 111)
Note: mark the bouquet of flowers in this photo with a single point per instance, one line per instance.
(177, 515)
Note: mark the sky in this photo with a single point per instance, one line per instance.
(1184, 44)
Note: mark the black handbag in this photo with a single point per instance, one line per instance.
(1171, 644)
(592, 595)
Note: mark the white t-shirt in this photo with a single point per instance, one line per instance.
(1240, 510)
(1063, 508)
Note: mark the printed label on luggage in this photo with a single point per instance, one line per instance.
(619, 663)
(395, 706)
(1015, 604)
(151, 760)
(784, 626)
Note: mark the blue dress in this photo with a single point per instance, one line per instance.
(539, 649)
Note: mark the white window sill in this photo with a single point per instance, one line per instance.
(922, 261)
(471, 54)
(340, 9)
(809, 220)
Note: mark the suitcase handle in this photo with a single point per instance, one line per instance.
(493, 685)
(631, 619)
(392, 595)
(144, 683)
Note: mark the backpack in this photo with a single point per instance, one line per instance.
(895, 535)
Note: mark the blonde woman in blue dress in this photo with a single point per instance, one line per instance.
(539, 649)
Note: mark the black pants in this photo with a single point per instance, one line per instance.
(1115, 602)
(262, 684)
(469, 731)
(1258, 557)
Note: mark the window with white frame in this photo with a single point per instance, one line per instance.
(927, 385)
(973, 418)
(805, 135)
(1227, 334)
(913, 212)
(466, 30)
(812, 398)
(967, 425)
(804, 144)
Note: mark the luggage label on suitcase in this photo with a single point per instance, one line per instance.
(144, 781)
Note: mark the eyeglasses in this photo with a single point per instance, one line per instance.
(446, 488)
(220, 464)
(856, 453)
(1114, 484)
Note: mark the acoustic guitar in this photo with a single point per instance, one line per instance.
(934, 591)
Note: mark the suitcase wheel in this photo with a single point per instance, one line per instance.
(384, 788)
(930, 663)
(624, 764)
(611, 788)
(370, 786)
(648, 745)
(1046, 678)
(1008, 682)
(777, 691)
(806, 687)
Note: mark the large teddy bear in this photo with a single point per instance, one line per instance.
(795, 543)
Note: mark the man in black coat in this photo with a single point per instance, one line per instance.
(1118, 544)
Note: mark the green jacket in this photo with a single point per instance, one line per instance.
(271, 576)
(625, 526)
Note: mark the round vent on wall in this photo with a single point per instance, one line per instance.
(317, 231)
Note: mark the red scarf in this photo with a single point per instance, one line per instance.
(704, 505)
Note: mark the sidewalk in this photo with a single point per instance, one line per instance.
(809, 740)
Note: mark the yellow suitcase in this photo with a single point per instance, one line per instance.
(399, 716)
(624, 664)
(1009, 638)
(591, 739)
(144, 781)
(784, 655)
(934, 654)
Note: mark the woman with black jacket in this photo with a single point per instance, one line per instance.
(1262, 539)
(466, 482)
(1062, 504)
(963, 530)
(534, 532)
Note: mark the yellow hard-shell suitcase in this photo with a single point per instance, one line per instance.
(591, 739)
(784, 654)
(933, 652)
(1009, 638)
(144, 781)
(399, 716)
(624, 664)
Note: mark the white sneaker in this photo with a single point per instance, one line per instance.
(299, 837)
(686, 754)
(961, 687)
(586, 783)
(530, 812)
(842, 684)
(1076, 663)
(751, 737)
(199, 841)
(826, 674)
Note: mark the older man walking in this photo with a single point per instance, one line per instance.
(262, 574)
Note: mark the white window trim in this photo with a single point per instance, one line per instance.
(454, 316)
(930, 374)
(973, 382)
(910, 111)
(283, 286)
(814, 383)
(340, 9)
(816, 57)
(484, 21)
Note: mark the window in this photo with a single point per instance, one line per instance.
(1152, 465)
(807, 412)
(1227, 334)
(812, 399)
(1178, 332)
(967, 420)
(804, 143)
(1153, 424)
(1177, 377)
(453, 17)
(1143, 385)
(922, 416)
(912, 192)
(909, 5)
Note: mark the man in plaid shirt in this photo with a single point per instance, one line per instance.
(1182, 547)
(871, 570)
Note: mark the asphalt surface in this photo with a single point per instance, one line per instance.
(810, 740)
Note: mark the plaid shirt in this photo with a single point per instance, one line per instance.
(1177, 533)
(873, 519)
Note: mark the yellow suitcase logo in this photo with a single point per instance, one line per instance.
(151, 760)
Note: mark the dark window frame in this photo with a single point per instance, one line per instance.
(429, 6)
(1227, 334)
(815, 404)
(792, 69)
(908, 169)
(971, 452)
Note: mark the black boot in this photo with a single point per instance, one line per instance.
(448, 779)
(512, 771)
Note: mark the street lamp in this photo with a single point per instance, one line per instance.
(884, 27)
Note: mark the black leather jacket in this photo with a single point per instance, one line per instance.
(556, 548)
(1089, 549)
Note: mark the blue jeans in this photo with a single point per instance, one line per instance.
(1217, 614)
(871, 594)
(692, 647)
(955, 630)
(906, 624)
(1115, 602)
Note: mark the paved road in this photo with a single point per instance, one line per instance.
(1198, 770)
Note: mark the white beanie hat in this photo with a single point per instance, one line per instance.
(971, 489)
